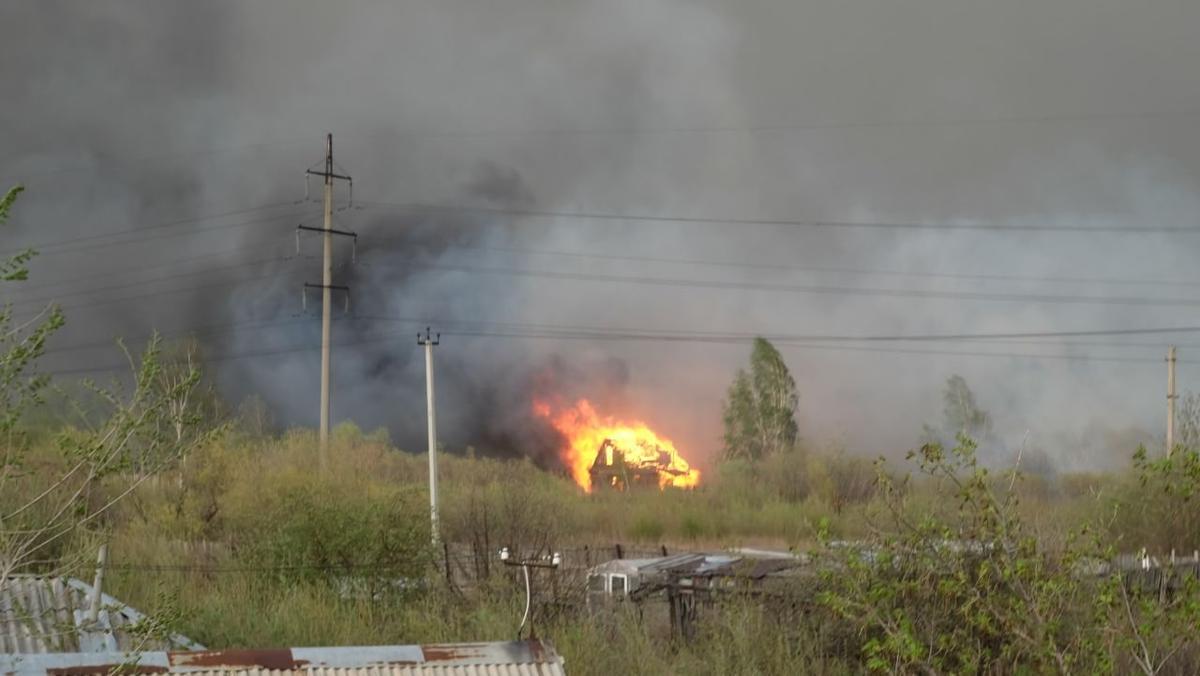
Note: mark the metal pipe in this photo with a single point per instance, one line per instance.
(528, 601)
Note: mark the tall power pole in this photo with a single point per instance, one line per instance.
(327, 286)
(429, 342)
(1170, 400)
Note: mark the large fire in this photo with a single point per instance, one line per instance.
(595, 441)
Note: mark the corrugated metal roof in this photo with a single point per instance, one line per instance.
(50, 614)
(717, 564)
(520, 658)
(652, 565)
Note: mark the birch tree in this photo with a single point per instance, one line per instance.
(760, 408)
(41, 509)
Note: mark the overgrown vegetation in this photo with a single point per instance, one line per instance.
(96, 456)
(222, 530)
(976, 590)
(955, 569)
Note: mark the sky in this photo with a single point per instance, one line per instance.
(855, 168)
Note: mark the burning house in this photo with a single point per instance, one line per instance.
(618, 468)
(604, 451)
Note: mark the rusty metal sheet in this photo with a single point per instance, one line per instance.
(466, 659)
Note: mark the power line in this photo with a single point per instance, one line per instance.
(210, 329)
(824, 269)
(803, 288)
(70, 242)
(698, 335)
(170, 265)
(801, 345)
(813, 342)
(171, 235)
(157, 280)
(817, 289)
(815, 126)
(817, 337)
(151, 158)
(1065, 118)
(175, 264)
(231, 356)
(573, 254)
(168, 292)
(828, 224)
(665, 282)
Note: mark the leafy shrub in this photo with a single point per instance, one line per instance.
(1157, 510)
(647, 528)
(691, 527)
(976, 591)
(305, 529)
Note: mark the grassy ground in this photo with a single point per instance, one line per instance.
(245, 545)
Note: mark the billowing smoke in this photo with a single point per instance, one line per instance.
(125, 115)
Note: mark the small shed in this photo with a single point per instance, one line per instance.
(637, 578)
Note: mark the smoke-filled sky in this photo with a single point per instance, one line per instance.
(193, 123)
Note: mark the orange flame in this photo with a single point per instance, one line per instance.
(641, 448)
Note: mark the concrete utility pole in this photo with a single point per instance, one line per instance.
(98, 585)
(326, 292)
(327, 286)
(429, 342)
(1170, 400)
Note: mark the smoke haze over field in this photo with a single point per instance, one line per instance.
(123, 114)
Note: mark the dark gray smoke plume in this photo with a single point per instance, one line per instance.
(124, 115)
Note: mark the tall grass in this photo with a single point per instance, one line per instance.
(252, 547)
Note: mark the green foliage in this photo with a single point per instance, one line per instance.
(1188, 421)
(254, 418)
(970, 593)
(977, 591)
(14, 269)
(297, 561)
(95, 464)
(77, 483)
(1157, 509)
(647, 528)
(841, 480)
(760, 408)
(305, 529)
(961, 415)
(739, 418)
(193, 405)
(21, 344)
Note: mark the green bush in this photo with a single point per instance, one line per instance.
(647, 528)
(1157, 509)
(301, 528)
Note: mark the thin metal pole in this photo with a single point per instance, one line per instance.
(1170, 400)
(326, 301)
(431, 407)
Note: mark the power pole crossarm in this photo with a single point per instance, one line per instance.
(429, 342)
